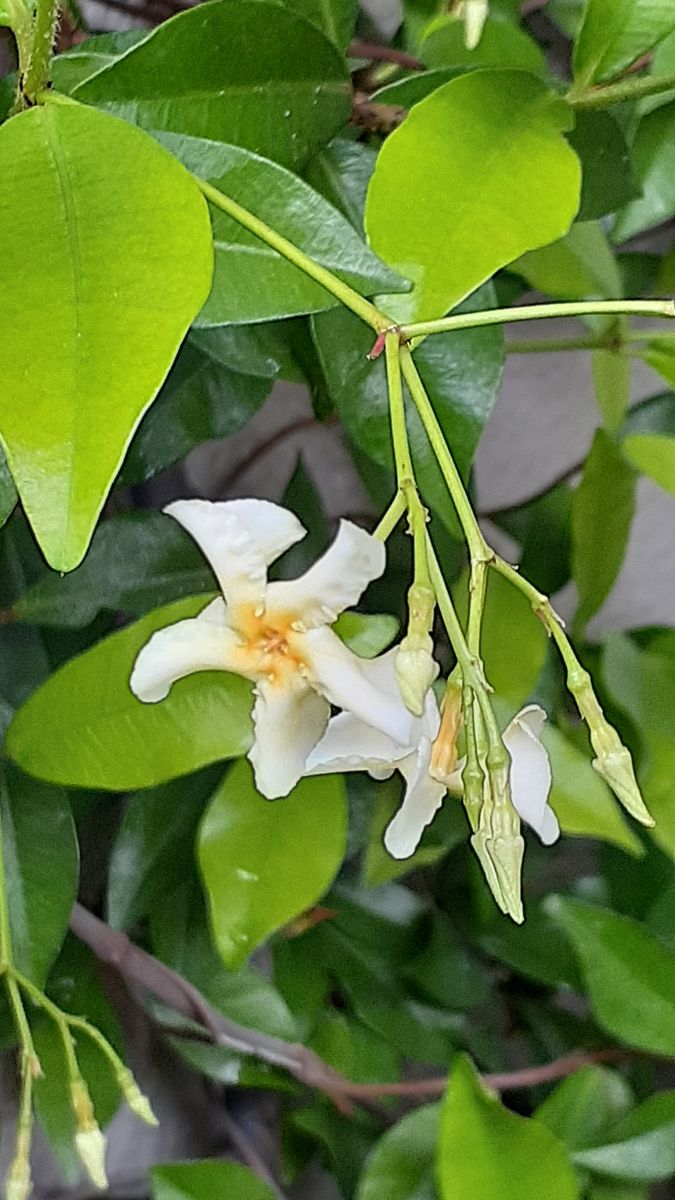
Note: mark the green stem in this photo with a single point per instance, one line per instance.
(553, 345)
(21, 26)
(542, 607)
(537, 312)
(391, 517)
(342, 291)
(405, 475)
(446, 462)
(617, 93)
(36, 76)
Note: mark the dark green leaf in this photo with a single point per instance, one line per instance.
(629, 973)
(41, 869)
(8, 496)
(615, 33)
(413, 88)
(341, 172)
(654, 167)
(607, 174)
(207, 1180)
(264, 862)
(446, 204)
(487, 1151)
(401, 1166)
(85, 728)
(237, 71)
(92, 55)
(602, 513)
(641, 1146)
(336, 18)
(542, 527)
(585, 1105)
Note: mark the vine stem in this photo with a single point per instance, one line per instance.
(342, 291)
(537, 312)
(36, 75)
(617, 93)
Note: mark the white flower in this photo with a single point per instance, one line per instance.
(276, 634)
(349, 745)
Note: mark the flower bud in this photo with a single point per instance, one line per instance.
(444, 750)
(89, 1141)
(18, 1181)
(475, 16)
(416, 670)
(138, 1103)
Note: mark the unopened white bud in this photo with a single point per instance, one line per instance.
(18, 1182)
(475, 16)
(416, 670)
(138, 1103)
(90, 1143)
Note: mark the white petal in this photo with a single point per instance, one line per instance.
(240, 538)
(422, 800)
(335, 582)
(197, 644)
(338, 674)
(531, 772)
(350, 745)
(288, 724)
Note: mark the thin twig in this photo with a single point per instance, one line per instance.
(384, 54)
(249, 1154)
(137, 966)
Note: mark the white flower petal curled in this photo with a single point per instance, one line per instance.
(288, 723)
(422, 800)
(335, 582)
(180, 650)
(530, 773)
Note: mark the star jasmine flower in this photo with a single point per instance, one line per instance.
(276, 634)
(349, 745)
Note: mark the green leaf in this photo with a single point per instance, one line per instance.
(130, 274)
(264, 862)
(641, 1146)
(367, 634)
(654, 166)
(513, 641)
(612, 384)
(413, 88)
(461, 371)
(401, 1167)
(629, 974)
(615, 33)
(341, 172)
(477, 175)
(153, 849)
(84, 727)
(581, 1108)
(202, 398)
(542, 529)
(502, 44)
(602, 512)
(109, 577)
(654, 456)
(659, 417)
(8, 496)
(485, 1150)
(41, 862)
(251, 281)
(336, 18)
(607, 173)
(91, 56)
(581, 800)
(580, 266)
(448, 829)
(240, 71)
(207, 1180)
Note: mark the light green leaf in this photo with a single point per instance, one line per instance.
(485, 1150)
(207, 1180)
(264, 862)
(659, 353)
(251, 281)
(581, 1108)
(401, 1167)
(654, 456)
(629, 974)
(615, 33)
(109, 577)
(611, 381)
(84, 727)
(602, 512)
(123, 235)
(336, 18)
(240, 71)
(502, 44)
(653, 157)
(641, 1146)
(477, 175)
(8, 496)
(582, 802)
(41, 869)
(367, 634)
(580, 266)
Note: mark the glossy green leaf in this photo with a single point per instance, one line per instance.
(336, 18)
(461, 371)
(401, 1166)
(264, 862)
(580, 266)
(602, 512)
(629, 974)
(641, 1146)
(615, 33)
(477, 175)
(582, 802)
(84, 727)
(109, 577)
(653, 157)
(485, 1150)
(207, 1180)
(367, 634)
(41, 869)
(607, 173)
(341, 172)
(539, 950)
(251, 281)
(202, 398)
(131, 274)
(659, 353)
(542, 529)
(240, 71)
(91, 56)
(581, 1108)
(153, 849)
(654, 456)
(502, 44)
(8, 496)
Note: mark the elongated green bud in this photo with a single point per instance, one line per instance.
(89, 1141)
(138, 1103)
